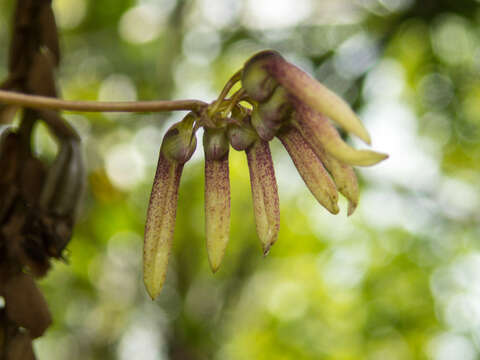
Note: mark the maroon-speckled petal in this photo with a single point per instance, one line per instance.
(311, 169)
(217, 209)
(160, 224)
(264, 193)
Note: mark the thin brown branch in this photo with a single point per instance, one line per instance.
(43, 102)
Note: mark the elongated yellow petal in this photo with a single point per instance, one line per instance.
(317, 96)
(311, 169)
(321, 134)
(217, 209)
(160, 224)
(343, 175)
(264, 193)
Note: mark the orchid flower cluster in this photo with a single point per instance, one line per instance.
(282, 101)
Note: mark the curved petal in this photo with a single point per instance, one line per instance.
(344, 177)
(322, 134)
(217, 209)
(160, 224)
(311, 169)
(318, 97)
(264, 193)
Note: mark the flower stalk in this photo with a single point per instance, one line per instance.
(44, 102)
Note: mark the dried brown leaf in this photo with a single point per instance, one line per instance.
(26, 306)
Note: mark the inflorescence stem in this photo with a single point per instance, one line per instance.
(226, 89)
(235, 99)
(43, 102)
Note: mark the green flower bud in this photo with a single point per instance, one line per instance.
(277, 109)
(242, 136)
(179, 142)
(266, 130)
(215, 143)
(256, 81)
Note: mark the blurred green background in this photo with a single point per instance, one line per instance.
(398, 280)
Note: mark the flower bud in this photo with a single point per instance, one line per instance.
(270, 116)
(215, 143)
(264, 193)
(256, 81)
(266, 130)
(311, 169)
(179, 142)
(242, 136)
(277, 108)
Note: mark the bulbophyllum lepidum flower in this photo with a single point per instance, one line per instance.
(177, 148)
(276, 99)
(217, 194)
(243, 137)
(296, 108)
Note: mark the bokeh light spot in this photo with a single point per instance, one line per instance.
(288, 301)
(125, 166)
(69, 13)
(201, 45)
(141, 24)
(117, 87)
(355, 56)
(220, 13)
(450, 346)
(268, 14)
(452, 40)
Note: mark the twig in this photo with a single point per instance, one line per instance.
(226, 89)
(43, 102)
